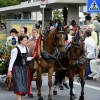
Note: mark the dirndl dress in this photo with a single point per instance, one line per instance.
(20, 73)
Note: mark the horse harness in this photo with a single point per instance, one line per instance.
(78, 61)
(56, 55)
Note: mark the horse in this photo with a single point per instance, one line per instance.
(53, 43)
(74, 63)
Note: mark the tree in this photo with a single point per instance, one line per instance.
(4, 3)
(57, 14)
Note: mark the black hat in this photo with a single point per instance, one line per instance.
(13, 30)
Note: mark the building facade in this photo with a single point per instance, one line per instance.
(27, 7)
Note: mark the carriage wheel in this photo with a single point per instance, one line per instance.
(8, 83)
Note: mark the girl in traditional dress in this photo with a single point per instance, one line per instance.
(18, 68)
(36, 37)
(24, 32)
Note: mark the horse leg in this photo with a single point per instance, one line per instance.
(82, 88)
(50, 73)
(72, 91)
(39, 82)
(55, 83)
(55, 91)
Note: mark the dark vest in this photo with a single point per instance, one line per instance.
(21, 57)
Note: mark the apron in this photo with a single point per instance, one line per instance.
(20, 73)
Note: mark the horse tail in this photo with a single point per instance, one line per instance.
(59, 77)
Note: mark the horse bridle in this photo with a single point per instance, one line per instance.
(76, 61)
(54, 37)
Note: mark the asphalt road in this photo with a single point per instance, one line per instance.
(92, 91)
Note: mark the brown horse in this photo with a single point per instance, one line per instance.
(74, 63)
(53, 42)
(31, 44)
(77, 64)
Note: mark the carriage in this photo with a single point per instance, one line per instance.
(53, 43)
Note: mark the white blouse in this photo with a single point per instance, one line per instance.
(14, 53)
(90, 47)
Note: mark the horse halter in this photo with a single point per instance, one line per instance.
(75, 61)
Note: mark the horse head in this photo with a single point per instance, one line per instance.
(59, 38)
(75, 53)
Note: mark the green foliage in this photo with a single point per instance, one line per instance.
(1, 42)
(5, 51)
(4, 66)
(4, 3)
(57, 14)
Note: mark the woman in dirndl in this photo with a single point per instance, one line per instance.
(18, 68)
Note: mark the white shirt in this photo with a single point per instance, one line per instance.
(14, 53)
(90, 47)
(96, 24)
(69, 38)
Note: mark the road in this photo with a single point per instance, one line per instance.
(92, 91)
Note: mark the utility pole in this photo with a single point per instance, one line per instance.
(42, 5)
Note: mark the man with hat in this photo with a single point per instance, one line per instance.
(13, 39)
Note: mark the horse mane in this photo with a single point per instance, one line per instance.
(52, 32)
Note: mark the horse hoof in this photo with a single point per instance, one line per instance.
(50, 98)
(71, 98)
(40, 98)
(81, 98)
(54, 92)
(74, 95)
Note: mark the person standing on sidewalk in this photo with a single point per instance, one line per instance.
(93, 34)
(89, 51)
